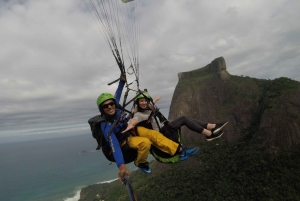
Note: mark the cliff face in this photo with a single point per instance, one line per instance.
(263, 111)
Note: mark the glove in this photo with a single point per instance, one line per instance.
(123, 78)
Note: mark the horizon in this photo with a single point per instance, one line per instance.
(9, 136)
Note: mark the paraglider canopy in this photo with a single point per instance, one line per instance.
(119, 24)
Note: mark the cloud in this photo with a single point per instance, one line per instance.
(55, 62)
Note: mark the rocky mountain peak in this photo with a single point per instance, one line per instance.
(262, 111)
(218, 65)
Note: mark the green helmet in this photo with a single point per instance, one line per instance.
(145, 93)
(104, 97)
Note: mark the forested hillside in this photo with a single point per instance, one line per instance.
(218, 172)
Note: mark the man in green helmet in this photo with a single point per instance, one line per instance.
(107, 104)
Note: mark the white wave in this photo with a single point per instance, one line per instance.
(75, 198)
(109, 181)
(77, 195)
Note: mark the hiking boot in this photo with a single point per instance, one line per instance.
(214, 136)
(185, 153)
(218, 127)
(144, 167)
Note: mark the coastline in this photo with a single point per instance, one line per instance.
(76, 197)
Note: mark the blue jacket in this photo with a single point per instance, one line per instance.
(116, 136)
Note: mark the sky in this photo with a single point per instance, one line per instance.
(55, 62)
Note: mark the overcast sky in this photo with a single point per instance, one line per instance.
(55, 62)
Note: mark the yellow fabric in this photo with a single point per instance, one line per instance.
(158, 140)
(142, 145)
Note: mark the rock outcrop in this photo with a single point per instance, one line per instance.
(263, 111)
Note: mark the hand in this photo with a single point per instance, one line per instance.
(129, 127)
(156, 99)
(122, 170)
(123, 78)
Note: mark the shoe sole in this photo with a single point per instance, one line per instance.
(217, 130)
(145, 171)
(215, 137)
(192, 154)
(183, 159)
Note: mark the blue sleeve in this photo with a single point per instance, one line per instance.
(119, 91)
(115, 146)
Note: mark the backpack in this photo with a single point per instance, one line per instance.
(129, 154)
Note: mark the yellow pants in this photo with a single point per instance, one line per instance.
(158, 140)
(142, 145)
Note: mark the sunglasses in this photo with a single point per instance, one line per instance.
(112, 103)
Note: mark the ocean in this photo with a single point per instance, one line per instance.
(52, 169)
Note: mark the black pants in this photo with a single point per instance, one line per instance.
(192, 124)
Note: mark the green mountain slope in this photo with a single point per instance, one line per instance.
(219, 172)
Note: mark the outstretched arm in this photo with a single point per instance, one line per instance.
(131, 125)
(120, 89)
(117, 153)
(113, 144)
(156, 99)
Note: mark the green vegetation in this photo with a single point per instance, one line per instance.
(219, 172)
